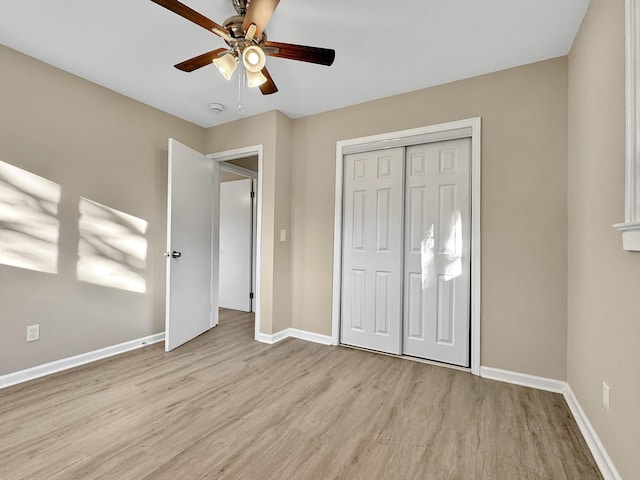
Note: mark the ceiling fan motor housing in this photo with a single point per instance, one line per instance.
(238, 41)
(233, 25)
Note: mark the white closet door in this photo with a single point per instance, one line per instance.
(372, 250)
(437, 247)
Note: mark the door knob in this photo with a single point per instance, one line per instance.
(173, 254)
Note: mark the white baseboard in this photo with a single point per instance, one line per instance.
(294, 333)
(77, 360)
(309, 336)
(272, 338)
(524, 379)
(602, 458)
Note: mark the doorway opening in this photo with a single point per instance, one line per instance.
(236, 279)
(234, 165)
(470, 129)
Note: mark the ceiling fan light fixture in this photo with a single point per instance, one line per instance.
(245, 36)
(226, 65)
(255, 79)
(253, 59)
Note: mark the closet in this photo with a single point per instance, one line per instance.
(406, 251)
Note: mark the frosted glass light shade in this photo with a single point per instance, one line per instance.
(253, 58)
(226, 65)
(255, 79)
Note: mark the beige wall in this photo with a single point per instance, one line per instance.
(603, 305)
(524, 151)
(230, 177)
(250, 163)
(102, 146)
(536, 271)
(272, 130)
(282, 250)
(80, 135)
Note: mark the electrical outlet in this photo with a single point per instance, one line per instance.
(33, 333)
(605, 395)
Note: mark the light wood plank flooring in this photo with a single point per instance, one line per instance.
(226, 407)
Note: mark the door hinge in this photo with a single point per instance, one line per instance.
(251, 295)
(253, 194)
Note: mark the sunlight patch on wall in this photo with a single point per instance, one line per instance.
(29, 227)
(112, 248)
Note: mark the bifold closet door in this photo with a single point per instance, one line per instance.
(437, 252)
(372, 250)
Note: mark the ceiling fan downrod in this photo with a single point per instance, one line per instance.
(241, 6)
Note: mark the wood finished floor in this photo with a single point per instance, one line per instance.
(226, 407)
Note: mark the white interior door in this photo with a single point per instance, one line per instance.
(191, 246)
(372, 250)
(235, 244)
(437, 248)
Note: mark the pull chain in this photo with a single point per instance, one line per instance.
(241, 84)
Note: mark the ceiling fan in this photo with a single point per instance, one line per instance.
(247, 42)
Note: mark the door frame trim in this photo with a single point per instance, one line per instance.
(232, 155)
(442, 131)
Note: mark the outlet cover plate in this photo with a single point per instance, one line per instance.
(33, 333)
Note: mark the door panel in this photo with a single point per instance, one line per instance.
(437, 257)
(372, 250)
(235, 244)
(191, 306)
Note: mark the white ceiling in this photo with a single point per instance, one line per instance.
(382, 47)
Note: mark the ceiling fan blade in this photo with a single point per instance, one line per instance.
(259, 13)
(322, 56)
(191, 15)
(199, 61)
(269, 86)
